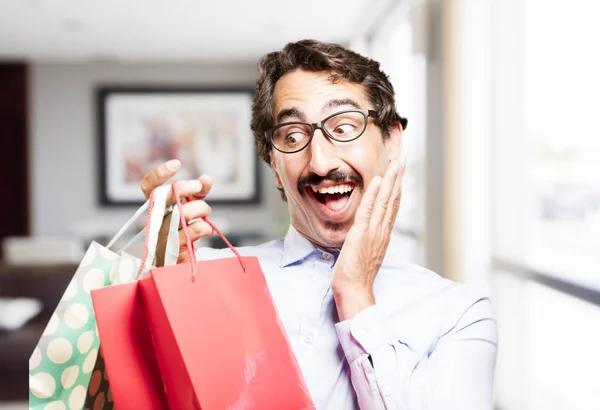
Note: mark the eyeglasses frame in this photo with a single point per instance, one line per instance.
(319, 126)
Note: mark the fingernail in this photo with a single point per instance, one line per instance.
(173, 164)
(195, 185)
(403, 160)
(394, 166)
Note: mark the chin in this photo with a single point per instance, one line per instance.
(334, 234)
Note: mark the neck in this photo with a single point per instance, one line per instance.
(317, 244)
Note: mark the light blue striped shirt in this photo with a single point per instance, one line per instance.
(428, 343)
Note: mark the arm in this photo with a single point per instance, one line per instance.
(458, 374)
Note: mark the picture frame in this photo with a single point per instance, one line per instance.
(206, 128)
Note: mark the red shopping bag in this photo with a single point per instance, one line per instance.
(131, 365)
(218, 338)
(128, 352)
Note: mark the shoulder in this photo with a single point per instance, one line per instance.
(449, 290)
(423, 283)
(416, 293)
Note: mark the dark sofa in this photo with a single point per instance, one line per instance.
(45, 283)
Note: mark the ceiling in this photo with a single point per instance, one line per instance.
(175, 30)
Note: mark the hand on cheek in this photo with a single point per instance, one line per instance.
(366, 242)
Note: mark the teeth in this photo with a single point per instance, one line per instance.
(338, 189)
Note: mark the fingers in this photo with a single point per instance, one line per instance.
(382, 200)
(186, 189)
(396, 195)
(195, 189)
(196, 230)
(365, 209)
(206, 185)
(159, 176)
(192, 189)
(195, 210)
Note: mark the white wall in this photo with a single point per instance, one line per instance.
(63, 153)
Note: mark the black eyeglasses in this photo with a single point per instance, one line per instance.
(343, 126)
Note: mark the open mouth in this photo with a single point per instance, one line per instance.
(335, 198)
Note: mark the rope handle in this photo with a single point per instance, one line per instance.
(187, 236)
(189, 244)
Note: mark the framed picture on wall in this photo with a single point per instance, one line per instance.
(207, 129)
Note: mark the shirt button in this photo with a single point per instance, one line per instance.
(387, 392)
(308, 339)
(326, 256)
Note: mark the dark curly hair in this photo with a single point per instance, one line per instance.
(312, 55)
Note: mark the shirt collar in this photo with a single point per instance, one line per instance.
(295, 247)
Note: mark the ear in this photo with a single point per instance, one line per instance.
(276, 174)
(393, 143)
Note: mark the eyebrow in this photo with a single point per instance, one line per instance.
(339, 103)
(290, 113)
(296, 113)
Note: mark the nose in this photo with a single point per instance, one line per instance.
(323, 154)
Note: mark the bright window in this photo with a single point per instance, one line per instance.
(561, 111)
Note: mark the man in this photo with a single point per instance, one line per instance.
(369, 331)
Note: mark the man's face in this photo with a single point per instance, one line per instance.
(326, 165)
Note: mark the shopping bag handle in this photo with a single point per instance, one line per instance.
(183, 222)
(128, 224)
(172, 239)
(156, 211)
(136, 216)
(188, 241)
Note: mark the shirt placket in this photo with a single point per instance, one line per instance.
(311, 320)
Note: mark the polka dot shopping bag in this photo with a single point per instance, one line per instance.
(129, 355)
(63, 368)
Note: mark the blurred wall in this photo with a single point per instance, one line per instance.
(63, 149)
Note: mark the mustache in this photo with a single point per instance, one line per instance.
(335, 176)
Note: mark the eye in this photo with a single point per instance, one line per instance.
(294, 137)
(291, 137)
(342, 129)
(345, 125)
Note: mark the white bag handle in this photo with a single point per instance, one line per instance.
(172, 249)
(156, 218)
(128, 224)
(138, 236)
